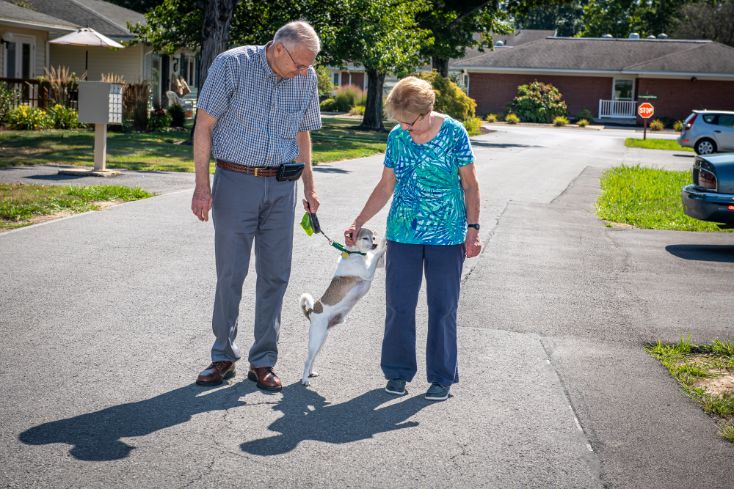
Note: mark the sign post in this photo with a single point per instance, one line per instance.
(645, 110)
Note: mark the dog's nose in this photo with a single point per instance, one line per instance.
(374, 246)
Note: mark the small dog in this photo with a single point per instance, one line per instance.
(352, 280)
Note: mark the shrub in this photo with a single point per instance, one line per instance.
(678, 126)
(177, 115)
(323, 77)
(135, 104)
(328, 105)
(583, 123)
(347, 97)
(450, 99)
(491, 118)
(63, 117)
(60, 82)
(473, 125)
(25, 117)
(657, 125)
(560, 121)
(538, 102)
(585, 114)
(512, 118)
(158, 120)
(8, 98)
(357, 110)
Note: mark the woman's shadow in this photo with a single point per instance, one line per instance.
(97, 436)
(307, 416)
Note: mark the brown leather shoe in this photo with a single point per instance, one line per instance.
(265, 378)
(216, 373)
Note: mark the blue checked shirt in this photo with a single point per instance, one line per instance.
(257, 114)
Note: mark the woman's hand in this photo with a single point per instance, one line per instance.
(350, 234)
(472, 244)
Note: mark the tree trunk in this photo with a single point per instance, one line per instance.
(441, 65)
(214, 36)
(372, 119)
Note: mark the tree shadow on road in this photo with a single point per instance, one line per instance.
(97, 436)
(308, 416)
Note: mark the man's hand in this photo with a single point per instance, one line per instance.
(472, 244)
(311, 201)
(201, 202)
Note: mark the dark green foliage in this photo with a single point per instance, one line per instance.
(8, 97)
(159, 119)
(63, 117)
(177, 115)
(538, 102)
(450, 99)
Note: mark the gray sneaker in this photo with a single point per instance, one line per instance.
(438, 392)
(395, 386)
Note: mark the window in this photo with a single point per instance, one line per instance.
(726, 120)
(19, 61)
(623, 89)
(709, 118)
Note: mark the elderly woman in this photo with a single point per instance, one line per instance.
(432, 226)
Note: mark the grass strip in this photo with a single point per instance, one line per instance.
(338, 139)
(666, 144)
(20, 204)
(647, 198)
(699, 369)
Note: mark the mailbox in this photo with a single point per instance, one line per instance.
(100, 102)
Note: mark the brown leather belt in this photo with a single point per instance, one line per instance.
(258, 171)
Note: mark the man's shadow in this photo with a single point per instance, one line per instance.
(307, 416)
(97, 436)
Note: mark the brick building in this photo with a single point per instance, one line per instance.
(607, 75)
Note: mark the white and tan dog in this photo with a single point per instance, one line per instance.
(352, 280)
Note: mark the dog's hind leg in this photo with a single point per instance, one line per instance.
(316, 337)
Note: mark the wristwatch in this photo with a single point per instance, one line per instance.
(475, 226)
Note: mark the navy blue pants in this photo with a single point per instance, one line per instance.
(404, 267)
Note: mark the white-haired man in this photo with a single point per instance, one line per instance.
(255, 113)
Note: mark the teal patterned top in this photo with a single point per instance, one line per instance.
(428, 202)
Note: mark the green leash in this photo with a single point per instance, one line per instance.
(310, 224)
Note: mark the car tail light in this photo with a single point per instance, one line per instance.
(730, 207)
(689, 122)
(706, 179)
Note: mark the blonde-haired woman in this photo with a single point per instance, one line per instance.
(432, 226)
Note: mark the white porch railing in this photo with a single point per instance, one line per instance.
(620, 109)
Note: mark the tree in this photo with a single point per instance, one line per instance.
(383, 36)
(622, 17)
(564, 18)
(457, 25)
(707, 20)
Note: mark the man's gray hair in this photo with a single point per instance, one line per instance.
(297, 33)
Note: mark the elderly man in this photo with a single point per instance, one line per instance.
(255, 112)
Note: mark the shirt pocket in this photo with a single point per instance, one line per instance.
(287, 124)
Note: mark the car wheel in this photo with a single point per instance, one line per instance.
(705, 147)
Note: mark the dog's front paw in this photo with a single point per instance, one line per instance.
(313, 373)
(305, 382)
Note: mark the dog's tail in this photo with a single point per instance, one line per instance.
(307, 304)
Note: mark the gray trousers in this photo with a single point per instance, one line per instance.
(246, 208)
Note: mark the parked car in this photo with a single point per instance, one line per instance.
(708, 131)
(711, 195)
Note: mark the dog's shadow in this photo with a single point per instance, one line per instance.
(307, 416)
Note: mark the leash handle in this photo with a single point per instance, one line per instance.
(314, 222)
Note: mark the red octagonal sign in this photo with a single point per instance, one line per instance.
(646, 110)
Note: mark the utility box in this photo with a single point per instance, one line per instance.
(100, 102)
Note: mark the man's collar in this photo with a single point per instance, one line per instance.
(264, 60)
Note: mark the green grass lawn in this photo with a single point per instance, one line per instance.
(647, 198)
(21, 204)
(164, 151)
(701, 370)
(667, 144)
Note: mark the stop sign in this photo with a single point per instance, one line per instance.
(646, 110)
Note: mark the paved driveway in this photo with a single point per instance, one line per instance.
(105, 324)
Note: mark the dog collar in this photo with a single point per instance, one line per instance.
(345, 252)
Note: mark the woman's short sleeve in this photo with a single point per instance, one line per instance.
(463, 153)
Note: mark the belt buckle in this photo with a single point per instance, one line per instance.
(257, 172)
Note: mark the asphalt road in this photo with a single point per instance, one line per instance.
(106, 321)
